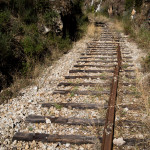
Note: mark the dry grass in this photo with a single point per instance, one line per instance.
(101, 18)
(14, 89)
(118, 25)
(93, 31)
(144, 85)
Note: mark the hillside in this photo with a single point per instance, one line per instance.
(31, 31)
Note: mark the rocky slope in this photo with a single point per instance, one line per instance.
(30, 30)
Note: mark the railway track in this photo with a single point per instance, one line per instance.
(91, 88)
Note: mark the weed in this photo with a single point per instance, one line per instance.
(146, 63)
(102, 58)
(5, 95)
(134, 90)
(123, 113)
(57, 106)
(32, 46)
(75, 88)
(125, 66)
(149, 100)
(30, 128)
(103, 75)
(72, 94)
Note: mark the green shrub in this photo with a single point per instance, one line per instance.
(147, 63)
(138, 4)
(144, 35)
(17, 28)
(32, 46)
(59, 42)
(104, 10)
(49, 17)
(129, 4)
(42, 6)
(91, 9)
(29, 16)
(5, 51)
(26, 9)
(31, 30)
(133, 3)
(4, 21)
(26, 68)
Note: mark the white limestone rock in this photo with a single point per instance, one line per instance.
(119, 141)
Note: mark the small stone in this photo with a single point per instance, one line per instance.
(14, 142)
(67, 145)
(119, 141)
(54, 132)
(19, 145)
(27, 146)
(35, 88)
(29, 101)
(117, 118)
(81, 148)
(48, 121)
(140, 136)
(126, 109)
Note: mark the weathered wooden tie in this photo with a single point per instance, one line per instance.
(84, 84)
(91, 71)
(47, 138)
(87, 92)
(67, 121)
(76, 105)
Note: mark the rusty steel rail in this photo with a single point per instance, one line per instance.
(107, 143)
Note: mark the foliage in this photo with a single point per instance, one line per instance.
(133, 3)
(22, 44)
(57, 106)
(60, 43)
(138, 4)
(25, 9)
(32, 46)
(104, 10)
(4, 20)
(141, 35)
(50, 16)
(129, 4)
(91, 9)
(147, 63)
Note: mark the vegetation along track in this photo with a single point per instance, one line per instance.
(87, 99)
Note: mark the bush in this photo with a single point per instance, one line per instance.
(32, 46)
(129, 4)
(5, 51)
(104, 10)
(60, 43)
(4, 20)
(25, 9)
(138, 4)
(49, 17)
(141, 35)
(133, 3)
(147, 63)
(26, 68)
(29, 16)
